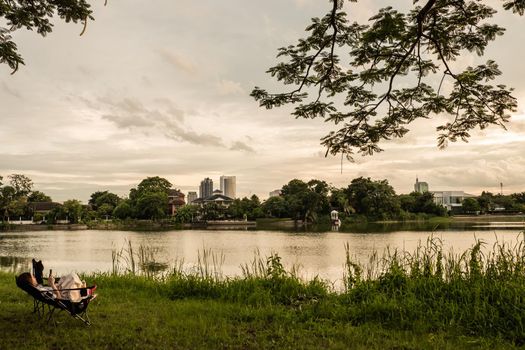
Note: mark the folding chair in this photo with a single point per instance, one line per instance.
(41, 299)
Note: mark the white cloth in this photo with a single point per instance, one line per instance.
(67, 282)
(48, 290)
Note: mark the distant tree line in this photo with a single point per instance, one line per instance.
(311, 201)
(488, 202)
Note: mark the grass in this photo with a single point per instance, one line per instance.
(133, 312)
(428, 299)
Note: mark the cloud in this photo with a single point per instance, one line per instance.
(228, 87)
(168, 119)
(241, 146)
(11, 91)
(178, 61)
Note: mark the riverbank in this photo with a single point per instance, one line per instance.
(133, 313)
(265, 223)
(426, 299)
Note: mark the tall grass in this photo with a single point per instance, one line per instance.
(480, 291)
(475, 292)
(141, 261)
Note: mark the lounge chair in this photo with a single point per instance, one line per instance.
(77, 309)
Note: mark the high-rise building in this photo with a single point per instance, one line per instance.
(192, 195)
(206, 188)
(420, 186)
(228, 186)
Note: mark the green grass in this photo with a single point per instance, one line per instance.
(133, 312)
(423, 300)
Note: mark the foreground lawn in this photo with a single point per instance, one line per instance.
(132, 312)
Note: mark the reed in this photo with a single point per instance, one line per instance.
(480, 291)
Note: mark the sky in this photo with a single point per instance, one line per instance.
(162, 89)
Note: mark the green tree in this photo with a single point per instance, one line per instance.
(37, 196)
(7, 195)
(187, 213)
(35, 15)
(374, 199)
(72, 209)
(417, 202)
(486, 201)
(275, 207)
(407, 202)
(212, 211)
(100, 198)
(153, 184)
(152, 205)
(519, 197)
(306, 200)
(507, 202)
(21, 183)
(339, 201)
(393, 70)
(470, 205)
(105, 210)
(152, 190)
(249, 208)
(17, 208)
(123, 210)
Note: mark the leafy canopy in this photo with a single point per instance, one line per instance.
(35, 15)
(372, 80)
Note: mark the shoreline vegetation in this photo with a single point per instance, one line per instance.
(276, 223)
(154, 200)
(425, 299)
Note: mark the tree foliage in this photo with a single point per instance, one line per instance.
(306, 199)
(35, 15)
(416, 202)
(373, 199)
(470, 205)
(374, 79)
(37, 196)
(104, 198)
(153, 184)
(72, 209)
(123, 210)
(21, 184)
(152, 205)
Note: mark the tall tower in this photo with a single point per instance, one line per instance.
(228, 186)
(192, 195)
(206, 188)
(420, 186)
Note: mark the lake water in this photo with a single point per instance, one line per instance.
(315, 252)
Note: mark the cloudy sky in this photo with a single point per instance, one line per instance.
(164, 89)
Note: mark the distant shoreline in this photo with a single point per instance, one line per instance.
(146, 225)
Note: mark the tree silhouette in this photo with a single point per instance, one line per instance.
(372, 80)
(35, 15)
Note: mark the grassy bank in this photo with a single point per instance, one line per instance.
(135, 313)
(424, 300)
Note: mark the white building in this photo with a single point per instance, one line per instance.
(228, 186)
(450, 199)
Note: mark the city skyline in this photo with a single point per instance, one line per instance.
(100, 120)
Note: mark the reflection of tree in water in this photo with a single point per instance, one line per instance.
(15, 264)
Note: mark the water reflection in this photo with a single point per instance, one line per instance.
(317, 252)
(15, 264)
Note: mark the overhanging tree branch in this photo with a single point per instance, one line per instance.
(416, 46)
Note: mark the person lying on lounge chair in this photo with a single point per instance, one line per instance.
(59, 289)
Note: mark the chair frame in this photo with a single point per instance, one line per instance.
(78, 309)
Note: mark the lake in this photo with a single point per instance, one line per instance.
(316, 252)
